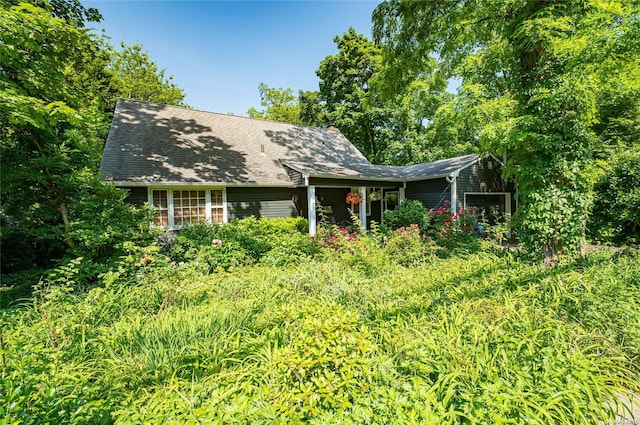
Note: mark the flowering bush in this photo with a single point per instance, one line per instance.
(406, 246)
(356, 250)
(340, 239)
(449, 229)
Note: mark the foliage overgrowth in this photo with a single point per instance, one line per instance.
(380, 330)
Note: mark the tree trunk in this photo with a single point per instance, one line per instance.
(551, 251)
(64, 213)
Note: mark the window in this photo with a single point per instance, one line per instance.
(161, 205)
(391, 200)
(492, 207)
(175, 208)
(217, 206)
(189, 206)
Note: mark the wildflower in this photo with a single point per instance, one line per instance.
(473, 229)
(181, 263)
(447, 223)
(216, 242)
(145, 260)
(173, 263)
(337, 246)
(439, 234)
(447, 202)
(464, 227)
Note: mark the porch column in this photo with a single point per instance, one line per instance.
(401, 195)
(363, 207)
(311, 209)
(454, 193)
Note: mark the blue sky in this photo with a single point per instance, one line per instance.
(219, 51)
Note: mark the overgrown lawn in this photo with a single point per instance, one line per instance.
(341, 337)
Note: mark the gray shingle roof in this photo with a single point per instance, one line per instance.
(363, 171)
(159, 144)
(150, 143)
(440, 168)
(366, 171)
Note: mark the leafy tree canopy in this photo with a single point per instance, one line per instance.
(58, 86)
(280, 105)
(536, 69)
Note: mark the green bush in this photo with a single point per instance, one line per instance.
(616, 211)
(322, 364)
(406, 246)
(242, 242)
(290, 248)
(408, 212)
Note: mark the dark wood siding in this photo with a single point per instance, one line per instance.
(261, 202)
(137, 195)
(485, 176)
(432, 193)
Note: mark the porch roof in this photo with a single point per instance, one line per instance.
(371, 172)
(354, 171)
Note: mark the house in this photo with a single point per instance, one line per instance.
(196, 166)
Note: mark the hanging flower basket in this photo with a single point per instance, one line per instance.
(354, 198)
(375, 196)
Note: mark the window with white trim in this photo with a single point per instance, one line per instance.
(177, 207)
(161, 205)
(189, 207)
(217, 206)
(492, 207)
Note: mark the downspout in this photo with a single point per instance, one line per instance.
(402, 190)
(311, 205)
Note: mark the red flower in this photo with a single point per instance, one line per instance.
(447, 202)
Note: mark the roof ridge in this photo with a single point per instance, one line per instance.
(186, 108)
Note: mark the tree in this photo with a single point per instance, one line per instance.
(539, 65)
(136, 77)
(36, 99)
(56, 97)
(345, 91)
(280, 105)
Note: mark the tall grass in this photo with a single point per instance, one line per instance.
(343, 338)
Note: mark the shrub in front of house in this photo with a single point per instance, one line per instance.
(406, 246)
(454, 230)
(243, 242)
(408, 212)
